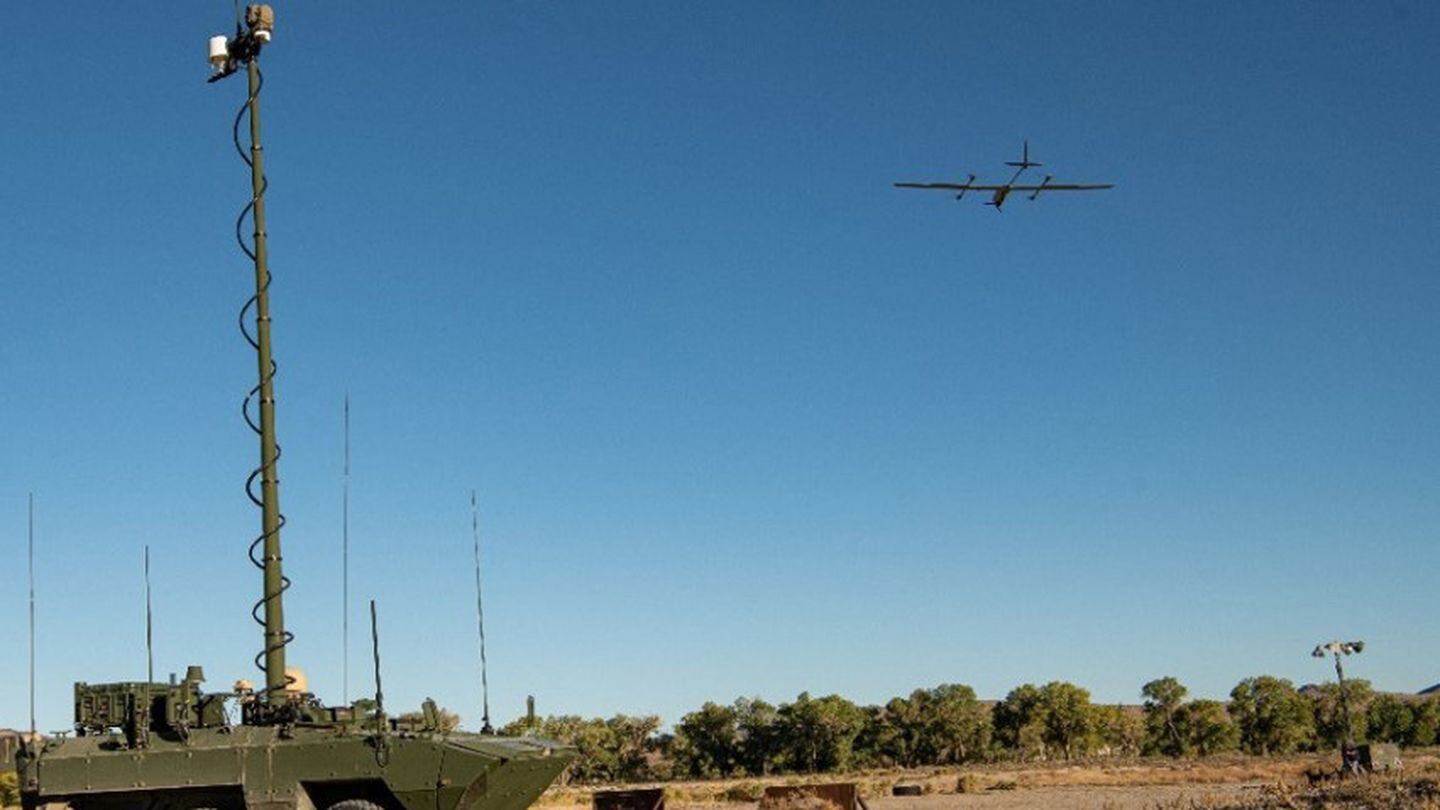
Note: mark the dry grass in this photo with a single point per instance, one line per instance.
(1284, 778)
(1399, 792)
(799, 801)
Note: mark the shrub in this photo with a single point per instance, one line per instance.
(744, 792)
(9, 789)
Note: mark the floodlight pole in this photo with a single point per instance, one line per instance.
(1344, 701)
(1338, 649)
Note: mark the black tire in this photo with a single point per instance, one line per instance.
(356, 804)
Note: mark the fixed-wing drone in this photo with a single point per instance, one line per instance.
(1001, 192)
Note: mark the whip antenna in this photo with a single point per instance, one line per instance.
(345, 563)
(31, 568)
(485, 727)
(149, 630)
(375, 648)
(382, 723)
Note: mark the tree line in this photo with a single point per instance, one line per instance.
(948, 725)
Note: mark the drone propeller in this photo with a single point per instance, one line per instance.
(1041, 187)
(963, 190)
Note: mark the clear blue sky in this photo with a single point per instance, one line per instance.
(743, 418)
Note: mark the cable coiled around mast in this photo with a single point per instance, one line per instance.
(256, 547)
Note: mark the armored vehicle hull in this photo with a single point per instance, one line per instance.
(274, 768)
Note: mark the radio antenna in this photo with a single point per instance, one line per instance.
(149, 629)
(375, 648)
(485, 727)
(345, 563)
(30, 564)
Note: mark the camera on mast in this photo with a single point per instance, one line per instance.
(227, 54)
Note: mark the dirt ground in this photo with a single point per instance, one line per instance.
(1134, 784)
(1078, 797)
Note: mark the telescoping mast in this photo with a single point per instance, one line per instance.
(173, 746)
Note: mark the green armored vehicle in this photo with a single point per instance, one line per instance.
(173, 746)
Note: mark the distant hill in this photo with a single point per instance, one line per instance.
(1313, 689)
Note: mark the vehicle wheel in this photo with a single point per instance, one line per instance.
(356, 804)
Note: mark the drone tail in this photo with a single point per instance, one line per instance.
(1024, 162)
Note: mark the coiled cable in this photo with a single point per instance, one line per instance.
(257, 545)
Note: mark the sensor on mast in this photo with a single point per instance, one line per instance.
(227, 55)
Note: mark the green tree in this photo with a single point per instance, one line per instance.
(761, 748)
(1067, 718)
(1329, 718)
(1206, 728)
(900, 731)
(1425, 730)
(1017, 721)
(1389, 719)
(872, 744)
(819, 733)
(1119, 732)
(945, 725)
(707, 742)
(614, 750)
(590, 739)
(630, 741)
(1163, 698)
(1272, 717)
(957, 727)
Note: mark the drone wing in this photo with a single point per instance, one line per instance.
(951, 186)
(1063, 187)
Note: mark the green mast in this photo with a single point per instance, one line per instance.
(275, 639)
(227, 56)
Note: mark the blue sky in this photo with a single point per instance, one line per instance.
(743, 418)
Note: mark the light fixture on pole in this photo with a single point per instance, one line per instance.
(1349, 756)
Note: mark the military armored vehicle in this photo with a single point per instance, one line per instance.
(173, 746)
